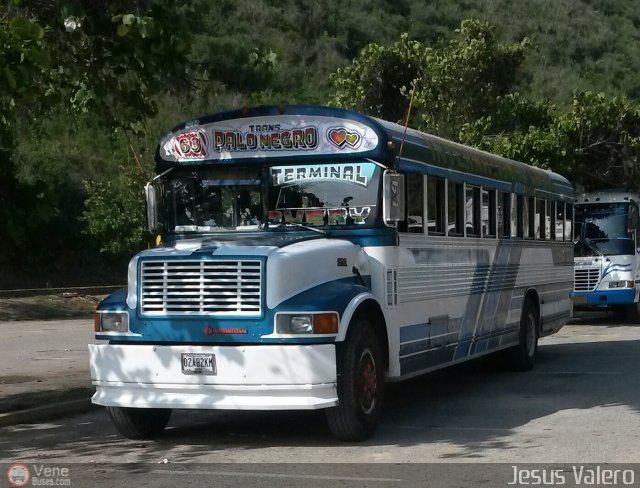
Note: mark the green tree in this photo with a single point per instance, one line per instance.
(23, 64)
(379, 79)
(455, 83)
(114, 213)
(596, 143)
(602, 135)
(70, 68)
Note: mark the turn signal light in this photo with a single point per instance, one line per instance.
(325, 323)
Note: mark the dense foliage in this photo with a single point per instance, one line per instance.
(454, 83)
(465, 90)
(86, 90)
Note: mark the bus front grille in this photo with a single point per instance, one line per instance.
(586, 279)
(214, 288)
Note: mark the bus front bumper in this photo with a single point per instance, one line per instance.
(603, 298)
(274, 377)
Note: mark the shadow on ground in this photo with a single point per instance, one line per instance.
(21, 401)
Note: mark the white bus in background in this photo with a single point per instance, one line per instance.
(304, 260)
(607, 261)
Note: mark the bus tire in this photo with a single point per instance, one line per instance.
(523, 356)
(139, 423)
(360, 385)
(632, 312)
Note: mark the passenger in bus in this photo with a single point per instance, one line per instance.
(249, 207)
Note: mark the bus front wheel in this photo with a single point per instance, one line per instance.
(522, 357)
(139, 423)
(360, 385)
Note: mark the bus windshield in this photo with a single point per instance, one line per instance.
(226, 199)
(603, 229)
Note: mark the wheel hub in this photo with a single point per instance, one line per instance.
(367, 382)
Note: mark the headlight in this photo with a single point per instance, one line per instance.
(301, 324)
(313, 323)
(112, 322)
(621, 284)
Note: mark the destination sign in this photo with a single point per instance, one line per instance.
(353, 173)
(253, 137)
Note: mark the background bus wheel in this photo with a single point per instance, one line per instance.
(139, 423)
(632, 312)
(360, 386)
(522, 357)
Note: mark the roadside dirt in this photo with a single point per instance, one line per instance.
(49, 307)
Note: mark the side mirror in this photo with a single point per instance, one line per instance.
(151, 195)
(392, 198)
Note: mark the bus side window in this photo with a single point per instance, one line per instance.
(523, 217)
(472, 211)
(568, 223)
(540, 219)
(504, 215)
(435, 205)
(548, 212)
(530, 218)
(455, 209)
(414, 204)
(516, 215)
(559, 221)
(551, 219)
(488, 213)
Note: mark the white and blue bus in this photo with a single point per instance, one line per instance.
(307, 255)
(607, 254)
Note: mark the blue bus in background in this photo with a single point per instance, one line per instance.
(607, 261)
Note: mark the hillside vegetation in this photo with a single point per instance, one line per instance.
(588, 45)
(86, 91)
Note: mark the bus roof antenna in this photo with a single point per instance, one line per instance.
(406, 123)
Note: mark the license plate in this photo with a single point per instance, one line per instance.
(199, 364)
(580, 300)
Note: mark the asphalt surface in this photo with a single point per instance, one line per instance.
(43, 362)
(581, 404)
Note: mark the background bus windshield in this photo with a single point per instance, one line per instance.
(603, 229)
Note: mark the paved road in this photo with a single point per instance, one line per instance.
(42, 355)
(581, 404)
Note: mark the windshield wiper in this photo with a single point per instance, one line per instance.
(591, 245)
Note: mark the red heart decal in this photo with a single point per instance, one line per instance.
(338, 136)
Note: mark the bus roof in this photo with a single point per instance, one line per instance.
(607, 196)
(295, 133)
